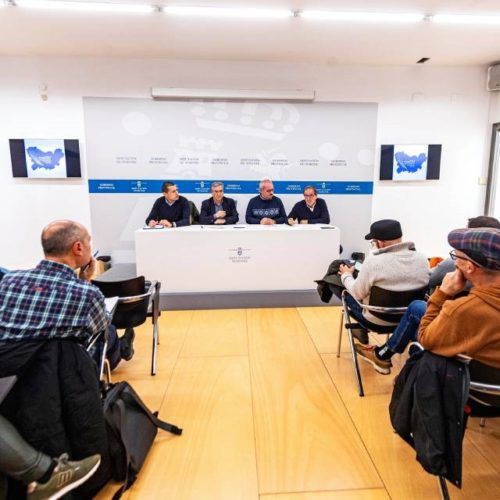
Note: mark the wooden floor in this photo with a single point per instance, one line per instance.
(269, 412)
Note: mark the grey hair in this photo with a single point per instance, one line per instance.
(215, 184)
(264, 180)
(59, 236)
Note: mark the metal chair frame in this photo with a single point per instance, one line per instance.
(152, 293)
(345, 321)
(153, 310)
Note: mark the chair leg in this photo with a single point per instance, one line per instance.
(482, 422)
(443, 488)
(154, 349)
(341, 327)
(356, 365)
(103, 358)
(107, 371)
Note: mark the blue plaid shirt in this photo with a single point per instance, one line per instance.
(49, 302)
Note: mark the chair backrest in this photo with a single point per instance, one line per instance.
(381, 297)
(194, 214)
(129, 313)
(485, 383)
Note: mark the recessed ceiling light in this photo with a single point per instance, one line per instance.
(227, 12)
(465, 19)
(378, 17)
(85, 6)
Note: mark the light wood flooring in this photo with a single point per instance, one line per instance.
(269, 412)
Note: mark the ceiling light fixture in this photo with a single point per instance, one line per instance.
(227, 12)
(233, 94)
(86, 6)
(378, 17)
(465, 19)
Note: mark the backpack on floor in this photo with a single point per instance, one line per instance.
(131, 429)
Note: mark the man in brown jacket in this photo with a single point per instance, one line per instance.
(468, 325)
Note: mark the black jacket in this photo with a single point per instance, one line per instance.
(427, 411)
(56, 404)
(319, 214)
(208, 210)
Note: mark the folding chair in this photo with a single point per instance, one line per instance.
(387, 305)
(138, 299)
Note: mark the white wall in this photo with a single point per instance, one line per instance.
(417, 104)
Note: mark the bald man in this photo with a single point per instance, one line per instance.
(51, 301)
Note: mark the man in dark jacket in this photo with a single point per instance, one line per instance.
(169, 210)
(266, 208)
(218, 209)
(311, 210)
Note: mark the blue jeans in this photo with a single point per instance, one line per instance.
(407, 329)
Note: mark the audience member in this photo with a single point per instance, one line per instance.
(45, 477)
(169, 210)
(392, 265)
(448, 265)
(218, 209)
(265, 208)
(52, 302)
(447, 326)
(311, 210)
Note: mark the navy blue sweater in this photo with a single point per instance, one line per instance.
(178, 212)
(272, 209)
(319, 215)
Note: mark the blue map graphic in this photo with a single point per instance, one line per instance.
(44, 159)
(410, 164)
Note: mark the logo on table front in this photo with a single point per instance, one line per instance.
(239, 255)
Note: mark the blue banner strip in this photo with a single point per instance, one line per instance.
(191, 186)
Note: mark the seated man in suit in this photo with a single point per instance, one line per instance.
(169, 210)
(311, 210)
(218, 209)
(265, 208)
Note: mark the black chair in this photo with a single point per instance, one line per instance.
(138, 299)
(484, 399)
(194, 215)
(387, 305)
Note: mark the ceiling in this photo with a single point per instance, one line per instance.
(26, 32)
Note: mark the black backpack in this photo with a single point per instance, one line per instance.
(131, 429)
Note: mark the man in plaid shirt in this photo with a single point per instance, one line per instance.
(51, 301)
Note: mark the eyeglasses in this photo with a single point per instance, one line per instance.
(454, 257)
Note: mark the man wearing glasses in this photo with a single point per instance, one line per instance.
(218, 209)
(265, 208)
(393, 265)
(448, 265)
(466, 325)
(311, 210)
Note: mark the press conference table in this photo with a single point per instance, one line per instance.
(196, 259)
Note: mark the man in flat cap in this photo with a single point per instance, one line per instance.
(467, 325)
(392, 265)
